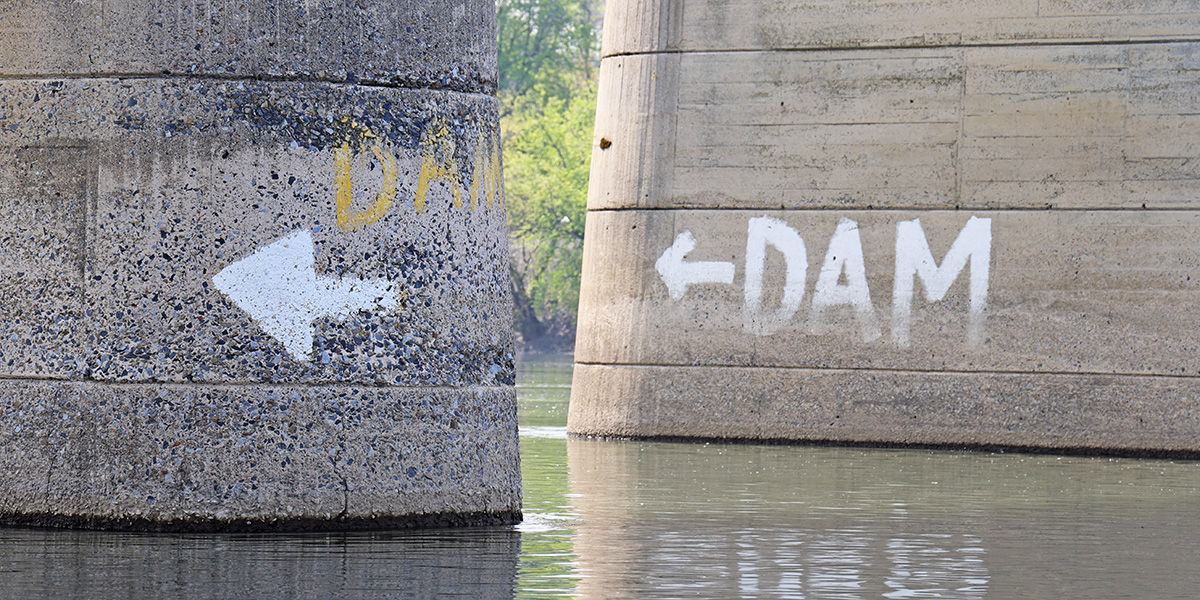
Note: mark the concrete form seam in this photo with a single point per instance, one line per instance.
(488, 90)
(960, 136)
(892, 370)
(981, 44)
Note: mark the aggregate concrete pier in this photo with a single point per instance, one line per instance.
(925, 222)
(254, 268)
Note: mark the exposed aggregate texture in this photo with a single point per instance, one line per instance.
(144, 156)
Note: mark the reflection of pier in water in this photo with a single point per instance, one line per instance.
(775, 521)
(477, 563)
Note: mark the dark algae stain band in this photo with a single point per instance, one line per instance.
(1184, 455)
(317, 116)
(304, 525)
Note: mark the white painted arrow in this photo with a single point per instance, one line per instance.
(678, 275)
(278, 286)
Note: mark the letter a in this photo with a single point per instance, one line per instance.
(844, 255)
(437, 164)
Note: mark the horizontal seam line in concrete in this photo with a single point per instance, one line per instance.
(1164, 209)
(968, 44)
(247, 384)
(845, 370)
(488, 90)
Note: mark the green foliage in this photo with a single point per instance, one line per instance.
(548, 98)
(547, 152)
(546, 43)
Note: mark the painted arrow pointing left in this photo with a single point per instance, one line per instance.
(678, 274)
(279, 288)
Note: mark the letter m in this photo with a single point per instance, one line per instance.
(915, 261)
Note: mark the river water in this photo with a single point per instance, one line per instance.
(624, 519)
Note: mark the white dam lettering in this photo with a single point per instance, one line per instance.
(760, 232)
(842, 280)
(915, 261)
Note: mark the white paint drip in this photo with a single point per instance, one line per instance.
(914, 260)
(678, 275)
(279, 288)
(844, 256)
(760, 232)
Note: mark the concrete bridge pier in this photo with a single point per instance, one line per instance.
(254, 266)
(924, 222)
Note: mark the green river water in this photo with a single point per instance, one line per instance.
(628, 519)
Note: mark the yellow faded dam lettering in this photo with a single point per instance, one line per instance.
(437, 164)
(486, 179)
(343, 194)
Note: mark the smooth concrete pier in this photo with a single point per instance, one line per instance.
(254, 270)
(923, 223)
